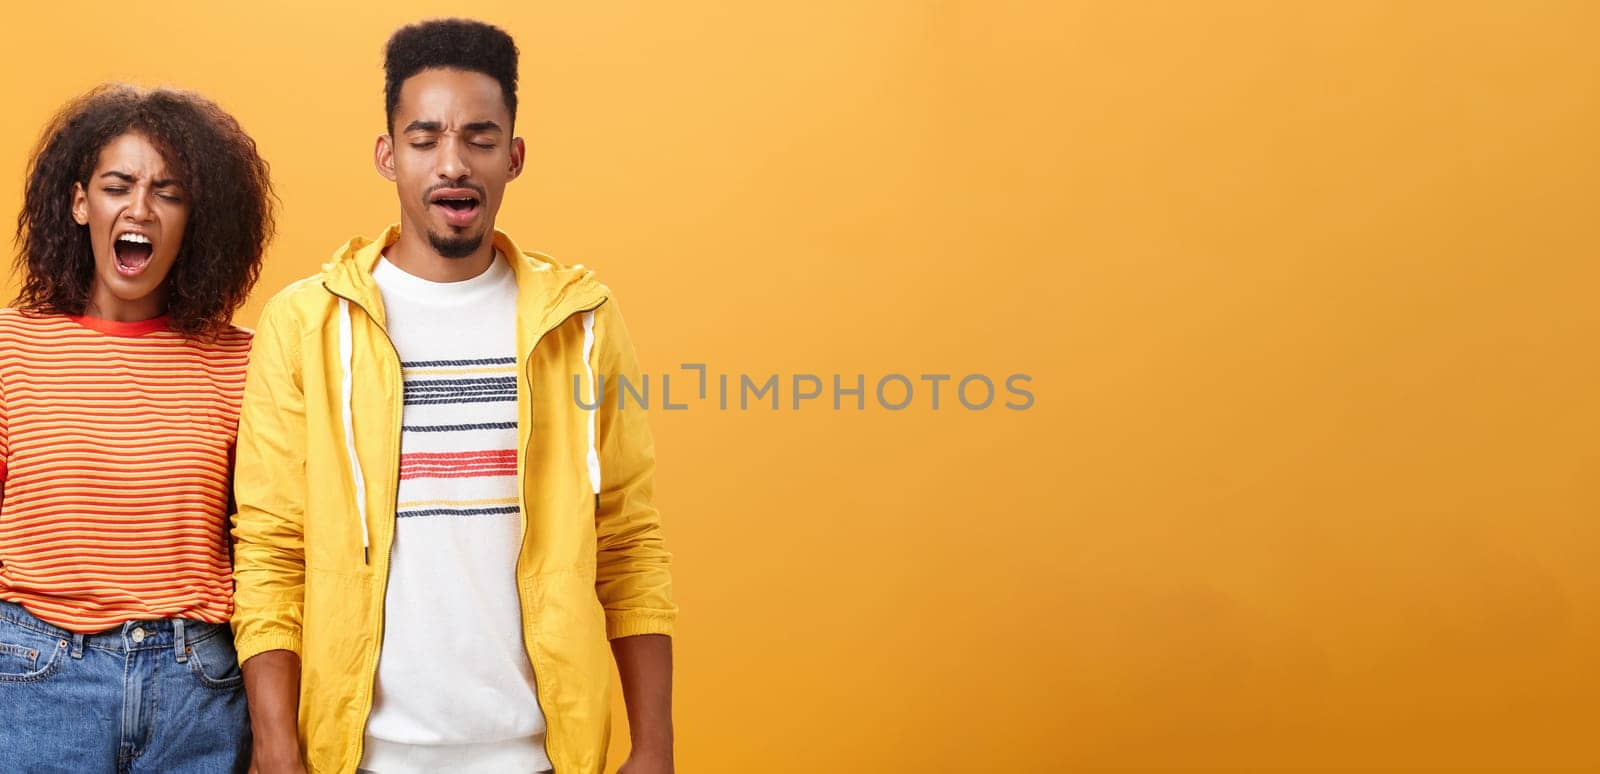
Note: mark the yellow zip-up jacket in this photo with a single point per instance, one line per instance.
(318, 472)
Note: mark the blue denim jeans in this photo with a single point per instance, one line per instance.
(147, 696)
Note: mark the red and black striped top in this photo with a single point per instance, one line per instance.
(116, 442)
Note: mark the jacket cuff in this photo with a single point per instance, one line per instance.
(255, 644)
(631, 624)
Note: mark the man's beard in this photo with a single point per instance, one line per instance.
(455, 246)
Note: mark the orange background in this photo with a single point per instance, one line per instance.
(1307, 293)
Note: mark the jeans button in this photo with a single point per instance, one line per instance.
(138, 635)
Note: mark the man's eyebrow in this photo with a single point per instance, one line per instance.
(424, 126)
(482, 126)
(123, 176)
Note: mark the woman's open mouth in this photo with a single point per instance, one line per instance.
(133, 253)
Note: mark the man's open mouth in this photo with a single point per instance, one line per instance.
(459, 206)
(456, 204)
(133, 252)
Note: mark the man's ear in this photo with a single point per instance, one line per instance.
(383, 157)
(518, 154)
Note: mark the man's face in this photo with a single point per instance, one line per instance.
(136, 212)
(450, 154)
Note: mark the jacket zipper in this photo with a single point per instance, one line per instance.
(522, 500)
(394, 447)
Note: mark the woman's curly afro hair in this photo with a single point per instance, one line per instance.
(226, 182)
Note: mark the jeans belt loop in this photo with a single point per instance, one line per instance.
(179, 645)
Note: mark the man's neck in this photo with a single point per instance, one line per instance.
(415, 256)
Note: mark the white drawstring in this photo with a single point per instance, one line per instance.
(347, 354)
(594, 398)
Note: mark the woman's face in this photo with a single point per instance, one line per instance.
(135, 211)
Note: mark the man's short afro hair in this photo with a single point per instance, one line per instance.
(456, 44)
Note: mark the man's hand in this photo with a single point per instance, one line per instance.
(272, 686)
(294, 766)
(645, 663)
(647, 762)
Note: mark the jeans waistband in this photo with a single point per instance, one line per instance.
(174, 634)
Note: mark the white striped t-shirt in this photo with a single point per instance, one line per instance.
(455, 690)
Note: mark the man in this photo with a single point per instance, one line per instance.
(434, 539)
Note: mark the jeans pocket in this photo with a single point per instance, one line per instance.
(214, 662)
(28, 656)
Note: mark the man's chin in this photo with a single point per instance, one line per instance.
(454, 245)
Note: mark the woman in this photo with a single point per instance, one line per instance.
(143, 224)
